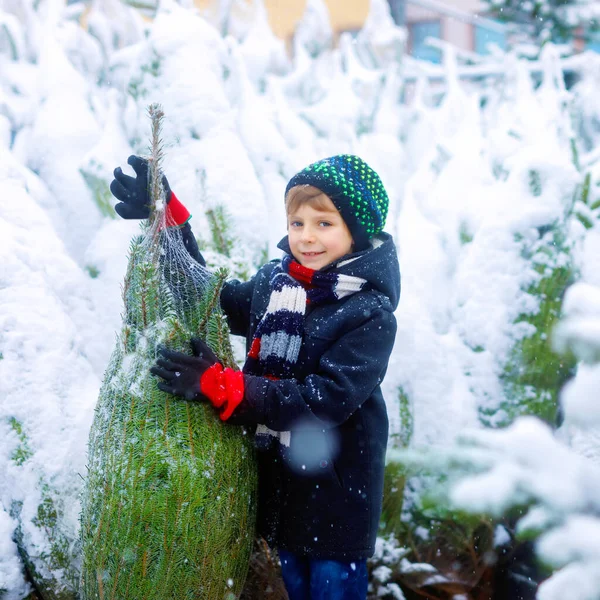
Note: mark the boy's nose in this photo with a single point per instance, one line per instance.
(308, 235)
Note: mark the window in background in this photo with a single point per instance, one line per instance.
(484, 36)
(594, 42)
(419, 32)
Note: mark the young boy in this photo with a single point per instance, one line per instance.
(320, 328)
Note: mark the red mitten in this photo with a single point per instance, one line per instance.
(177, 213)
(223, 387)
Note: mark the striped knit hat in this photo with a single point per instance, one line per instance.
(354, 188)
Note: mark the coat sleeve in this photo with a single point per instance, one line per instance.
(348, 374)
(236, 299)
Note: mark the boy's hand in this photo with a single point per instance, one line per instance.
(200, 377)
(202, 350)
(133, 192)
(181, 373)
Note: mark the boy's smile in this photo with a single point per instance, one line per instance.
(317, 237)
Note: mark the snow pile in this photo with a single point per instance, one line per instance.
(492, 189)
(12, 584)
(580, 332)
(47, 382)
(527, 467)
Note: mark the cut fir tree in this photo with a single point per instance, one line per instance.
(168, 508)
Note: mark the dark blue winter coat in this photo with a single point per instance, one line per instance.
(321, 497)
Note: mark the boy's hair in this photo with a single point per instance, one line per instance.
(305, 194)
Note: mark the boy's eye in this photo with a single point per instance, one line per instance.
(295, 224)
(325, 223)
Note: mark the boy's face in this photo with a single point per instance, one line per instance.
(318, 237)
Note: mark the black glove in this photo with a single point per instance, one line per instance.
(135, 200)
(182, 373)
(133, 192)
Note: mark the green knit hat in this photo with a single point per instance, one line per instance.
(355, 190)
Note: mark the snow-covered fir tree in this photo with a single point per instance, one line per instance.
(549, 20)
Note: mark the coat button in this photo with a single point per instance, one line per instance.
(323, 464)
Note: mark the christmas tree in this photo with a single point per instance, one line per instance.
(169, 500)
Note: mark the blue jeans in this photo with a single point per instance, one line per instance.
(310, 579)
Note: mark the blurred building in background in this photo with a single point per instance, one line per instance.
(345, 15)
(456, 21)
(466, 24)
(453, 20)
(462, 23)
